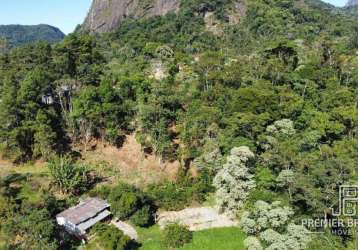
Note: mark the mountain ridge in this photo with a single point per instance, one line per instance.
(16, 34)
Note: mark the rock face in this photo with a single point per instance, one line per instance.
(105, 15)
(352, 3)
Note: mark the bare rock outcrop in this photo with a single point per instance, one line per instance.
(352, 3)
(106, 15)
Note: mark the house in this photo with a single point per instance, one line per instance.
(47, 99)
(78, 219)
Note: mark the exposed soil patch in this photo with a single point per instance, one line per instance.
(196, 218)
(131, 163)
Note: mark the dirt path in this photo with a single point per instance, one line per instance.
(126, 229)
(196, 218)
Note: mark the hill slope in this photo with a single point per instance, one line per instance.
(21, 34)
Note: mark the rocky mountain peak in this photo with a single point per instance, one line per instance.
(352, 3)
(105, 15)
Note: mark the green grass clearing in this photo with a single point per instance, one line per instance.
(212, 239)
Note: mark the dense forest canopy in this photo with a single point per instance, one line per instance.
(214, 84)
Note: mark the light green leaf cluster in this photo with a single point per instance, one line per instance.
(234, 181)
(285, 178)
(209, 161)
(282, 127)
(252, 243)
(270, 223)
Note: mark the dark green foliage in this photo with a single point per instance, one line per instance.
(27, 222)
(176, 236)
(143, 217)
(18, 35)
(177, 195)
(128, 202)
(124, 201)
(110, 238)
(38, 86)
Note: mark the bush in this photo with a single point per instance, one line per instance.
(124, 201)
(180, 194)
(111, 238)
(176, 236)
(127, 202)
(100, 191)
(143, 217)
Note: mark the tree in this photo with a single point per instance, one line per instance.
(282, 127)
(234, 181)
(252, 243)
(4, 45)
(35, 228)
(209, 162)
(176, 236)
(68, 176)
(285, 180)
(271, 225)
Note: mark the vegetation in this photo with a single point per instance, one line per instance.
(234, 182)
(263, 111)
(176, 236)
(177, 195)
(211, 239)
(28, 211)
(68, 176)
(129, 203)
(271, 223)
(110, 238)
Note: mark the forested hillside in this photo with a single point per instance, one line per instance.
(256, 99)
(16, 35)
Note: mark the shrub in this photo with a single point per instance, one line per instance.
(176, 235)
(124, 201)
(143, 217)
(111, 238)
(180, 194)
(101, 191)
(128, 202)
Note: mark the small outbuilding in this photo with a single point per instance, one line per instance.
(78, 219)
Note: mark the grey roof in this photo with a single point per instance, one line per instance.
(89, 223)
(85, 210)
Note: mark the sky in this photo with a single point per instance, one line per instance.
(334, 2)
(64, 14)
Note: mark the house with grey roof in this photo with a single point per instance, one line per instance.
(78, 219)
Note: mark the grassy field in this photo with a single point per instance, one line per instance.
(212, 239)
